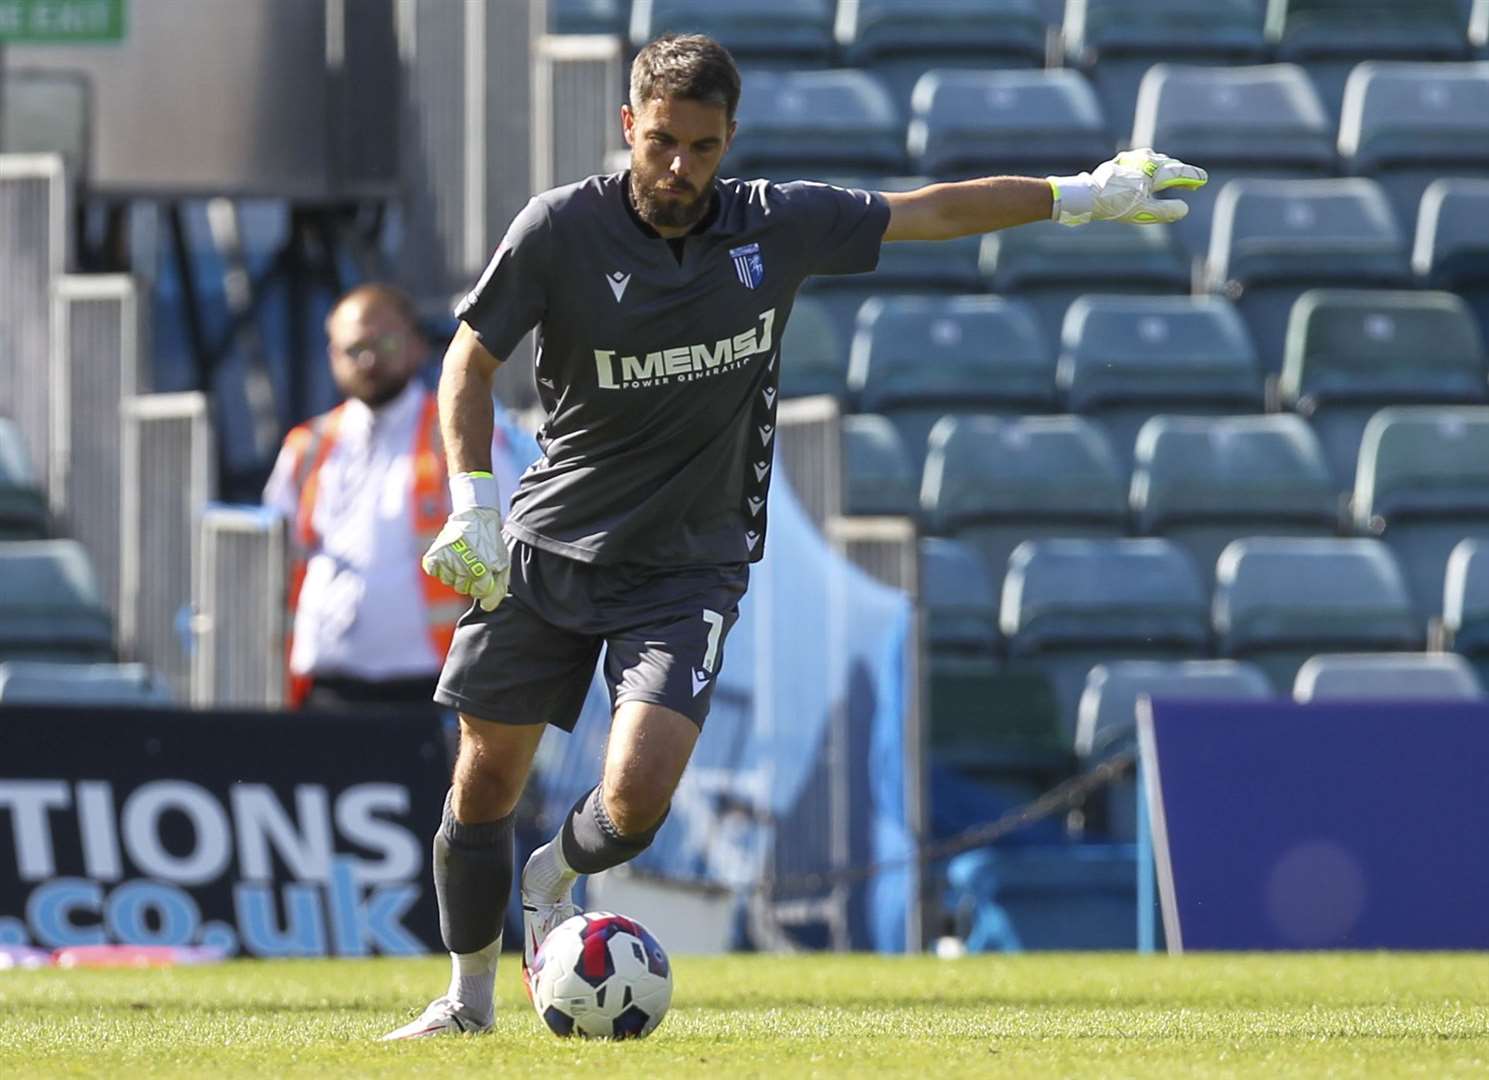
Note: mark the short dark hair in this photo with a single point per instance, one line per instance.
(690, 66)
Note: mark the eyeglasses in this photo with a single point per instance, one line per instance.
(382, 347)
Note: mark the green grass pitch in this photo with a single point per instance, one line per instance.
(792, 1016)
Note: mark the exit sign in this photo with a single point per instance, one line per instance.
(61, 22)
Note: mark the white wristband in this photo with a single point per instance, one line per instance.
(472, 489)
(1075, 198)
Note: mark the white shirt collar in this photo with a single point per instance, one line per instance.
(361, 418)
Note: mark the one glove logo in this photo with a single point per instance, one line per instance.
(470, 558)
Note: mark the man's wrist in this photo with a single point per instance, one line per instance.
(1074, 198)
(473, 489)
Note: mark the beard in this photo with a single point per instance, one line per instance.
(674, 213)
(379, 394)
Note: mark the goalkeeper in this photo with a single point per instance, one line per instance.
(660, 295)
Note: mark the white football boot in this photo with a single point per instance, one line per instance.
(443, 1016)
(538, 921)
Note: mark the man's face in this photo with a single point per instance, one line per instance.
(676, 147)
(374, 352)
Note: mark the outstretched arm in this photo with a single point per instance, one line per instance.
(1123, 189)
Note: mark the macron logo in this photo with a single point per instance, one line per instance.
(618, 283)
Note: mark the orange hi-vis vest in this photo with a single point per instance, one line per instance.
(429, 504)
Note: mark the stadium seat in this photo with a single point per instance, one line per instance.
(1387, 677)
(1106, 718)
(1423, 486)
(1406, 125)
(814, 356)
(1478, 29)
(49, 603)
(40, 682)
(916, 359)
(900, 40)
(1273, 239)
(799, 125)
(994, 483)
(1329, 37)
(1051, 265)
(1125, 358)
(1203, 483)
(1279, 601)
(1350, 353)
(1069, 605)
(878, 477)
(976, 123)
(1465, 607)
(1116, 41)
(1452, 243)
(960, 599)
(1256, 121)
(588, 16)
(783, 33)
(23, 508)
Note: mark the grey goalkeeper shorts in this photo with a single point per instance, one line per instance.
(531, 660)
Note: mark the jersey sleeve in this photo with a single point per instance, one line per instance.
(512, 295)
(841, 228)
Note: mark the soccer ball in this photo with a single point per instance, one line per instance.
(601, 976)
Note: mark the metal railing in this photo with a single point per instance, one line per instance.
(238, 605)
(578, 79)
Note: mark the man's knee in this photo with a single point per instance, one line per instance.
(491, 769)
(635, 803)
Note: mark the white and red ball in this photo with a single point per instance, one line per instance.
(601, 976)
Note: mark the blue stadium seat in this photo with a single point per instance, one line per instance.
(1280, 601)
(783, 33)
(1423, 486)
(1274, 239)
(1116, 41)
(960, 598)
(1258, 121)
(588, 16)
(1350, 353)
(1387, 677)
(917, 359)
(796, 125)
(1125, 358)
(23, 508)
(1051, 265)
(40, 682)
(994, 483)
(1203, 483)
(900, 40)
(1069, 605)
(1465, 607)
(1106, 719)
(1478, 29)
(976, 123)
(814, 356)
(1452, 242)
(1406, 125)
(1329, 37)
(50, 608)
(877, 475)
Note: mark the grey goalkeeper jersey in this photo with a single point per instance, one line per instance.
(659, 378)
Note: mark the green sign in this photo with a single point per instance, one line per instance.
(61, 22)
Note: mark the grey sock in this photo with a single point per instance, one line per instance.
(472, 880)
(592, 843)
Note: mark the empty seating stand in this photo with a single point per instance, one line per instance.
(1126, 358)
(900, 40)
(784, 33)
(49, 603)
(23, 508)
(1203, 483)
(1407, 124)
(1116, 41)
(1452, 242)
(995, 483)
(917, 359)
(1069, 605)
(977, 123)
(1280, 601)
(588, 16)
(1106, 721)
(40, 682)
(1275, 239)
(1423, 486)
(1259, 121)
(800, 125)
(1349, 353)
(814, 355)
(878, 476)
(1465, 609)
(1051, 265)
(1387, 677)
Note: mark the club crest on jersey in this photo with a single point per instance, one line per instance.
(749, 265)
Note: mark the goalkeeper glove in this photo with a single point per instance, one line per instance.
(469, 554)
(1123, 189)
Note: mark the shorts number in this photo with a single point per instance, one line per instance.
(715, 629)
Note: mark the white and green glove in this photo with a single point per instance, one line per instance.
(469, 554)
(1124, 189)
